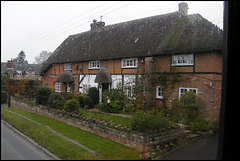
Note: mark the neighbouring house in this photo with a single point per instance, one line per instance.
(112, 56)
(21, 70)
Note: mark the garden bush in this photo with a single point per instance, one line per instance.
(186, 109)
(80, 100)
(87, 102)
(94, 95)
(147, 121)
(56, 100)
(114, 101)
(199, 125)
(71, 105)
(4, 96)
(31, 87)
(70, 96)
(42, 95)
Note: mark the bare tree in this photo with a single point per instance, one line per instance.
(42, 57)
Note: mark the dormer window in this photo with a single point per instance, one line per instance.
(130, 63)
(94, 64)
(67, 66)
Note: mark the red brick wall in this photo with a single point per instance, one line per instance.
(208, 62)
(209, 97)
(207, 65)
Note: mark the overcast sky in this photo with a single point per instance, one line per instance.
(43, 25)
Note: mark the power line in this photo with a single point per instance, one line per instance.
(55, 27)
(83, 23)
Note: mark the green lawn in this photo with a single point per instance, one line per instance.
(110, 150)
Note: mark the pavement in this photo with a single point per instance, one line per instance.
(203, 149)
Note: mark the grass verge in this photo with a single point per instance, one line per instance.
(110, 150)
(54, 143)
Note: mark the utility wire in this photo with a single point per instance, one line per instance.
(65, 23)
(83, 23)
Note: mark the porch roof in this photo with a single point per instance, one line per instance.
(66, 77)
(103, 76)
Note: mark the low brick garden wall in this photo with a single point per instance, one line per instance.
(106, 129)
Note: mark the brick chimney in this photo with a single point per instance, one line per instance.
(183, 7)
(11, 62)
(95, 25)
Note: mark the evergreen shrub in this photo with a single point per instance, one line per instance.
(71, 105)
(42, 95)
(87, 102)
(56, 100)
(94, 95)
(148, 121)
(4, 96)
(80, 100)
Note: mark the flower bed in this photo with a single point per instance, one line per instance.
(106, 129)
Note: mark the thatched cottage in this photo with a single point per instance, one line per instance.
(111, 56)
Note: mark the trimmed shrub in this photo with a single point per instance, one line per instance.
(42, 95)
(71, 105)
(94, 95)
(56, 100)
(147, 121)
(80, 100)
(87, 102)
(4, 96)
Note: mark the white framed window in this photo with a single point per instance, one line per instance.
(67, 66)
(57, 86)
(129, 91)
(26, 73)
(85, 88)
(130, 63)
(94, 64)
(33, 73)
(159, 92)
(183, 90)
(19, 72)
(186, 59)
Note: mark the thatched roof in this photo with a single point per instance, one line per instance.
(66, 77)
(103, 76)
(171, 33)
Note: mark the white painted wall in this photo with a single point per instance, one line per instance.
(88, 80)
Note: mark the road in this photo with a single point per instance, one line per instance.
(204, 149)
(15, 147)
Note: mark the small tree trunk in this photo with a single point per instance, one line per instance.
(9, 100)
